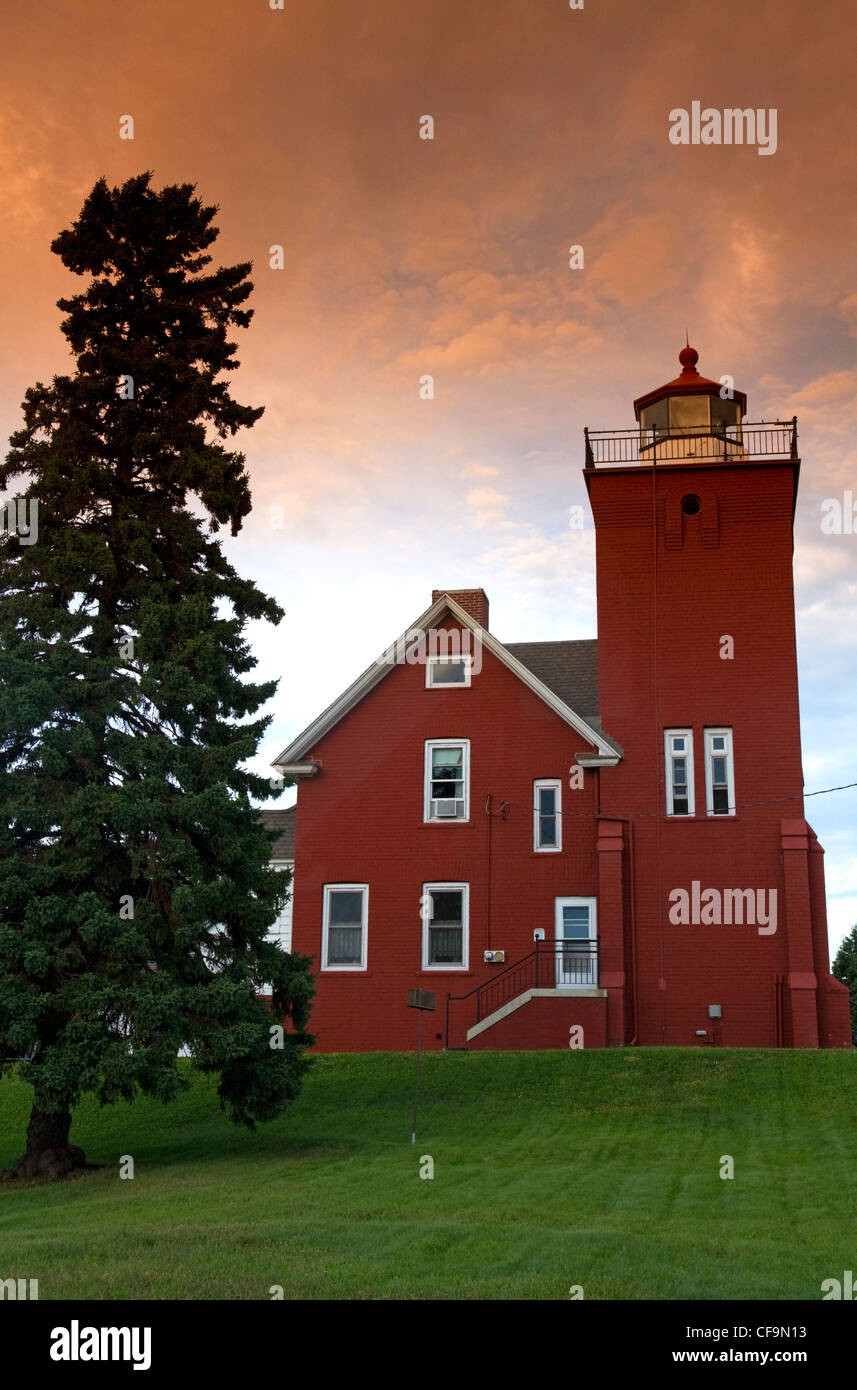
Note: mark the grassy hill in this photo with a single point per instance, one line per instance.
(552, 1169)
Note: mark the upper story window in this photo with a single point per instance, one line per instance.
(547, 817)
(678, 748)
(343, 945)
(447, 780)
(719, 773)
(445, 671)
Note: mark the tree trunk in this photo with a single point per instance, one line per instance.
(49, 1154)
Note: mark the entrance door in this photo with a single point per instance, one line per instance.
(576, 958)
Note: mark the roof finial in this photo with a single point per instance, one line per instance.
(688, 357)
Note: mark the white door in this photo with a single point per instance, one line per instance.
(576, 959)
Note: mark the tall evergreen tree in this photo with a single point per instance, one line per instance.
(845, 969)
(127, 826)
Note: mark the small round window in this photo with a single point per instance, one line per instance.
(691, 504)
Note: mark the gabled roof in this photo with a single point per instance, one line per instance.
(569, 669)
(540, 671)
(284, 821)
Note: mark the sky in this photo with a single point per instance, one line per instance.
(405, 257)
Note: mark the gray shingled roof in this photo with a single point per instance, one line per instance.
(569, 669)
(284, 821)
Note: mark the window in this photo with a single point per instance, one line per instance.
(448, 671)
(679, 771)
(689, 412)
(343, 944)
(447, 777)
(445, 926)
(719, 773)
(547, 818)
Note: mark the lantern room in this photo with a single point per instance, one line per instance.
(690, 417)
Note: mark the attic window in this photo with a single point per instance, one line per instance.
(448, 671)
(691, 505)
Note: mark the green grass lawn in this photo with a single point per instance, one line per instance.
(551, 1169)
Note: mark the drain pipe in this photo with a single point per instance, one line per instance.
(632, 896)
(632, 870)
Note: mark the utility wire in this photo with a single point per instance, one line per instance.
(654, 815)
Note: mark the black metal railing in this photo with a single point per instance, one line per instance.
(771, 439)
(550, 965)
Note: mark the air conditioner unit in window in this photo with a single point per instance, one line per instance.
(447, 807)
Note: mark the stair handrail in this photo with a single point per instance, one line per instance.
(552, 949)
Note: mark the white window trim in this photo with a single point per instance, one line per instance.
(433, 661)
(687, 735)
(465, 926)
(709, 734)
(325, 922)
(554, 784)
(558, 905)
(432, 743)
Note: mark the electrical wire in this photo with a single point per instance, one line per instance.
(654, 815)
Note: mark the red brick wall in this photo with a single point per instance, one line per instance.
(726, 571)
(546, 1022)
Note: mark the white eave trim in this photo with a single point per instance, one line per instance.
(298, 769)
(593, 760)
(288, 760)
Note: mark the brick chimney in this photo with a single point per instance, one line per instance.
(473, 601)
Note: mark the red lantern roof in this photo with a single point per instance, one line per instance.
(689, 383)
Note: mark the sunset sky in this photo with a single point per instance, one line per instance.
(450, 257)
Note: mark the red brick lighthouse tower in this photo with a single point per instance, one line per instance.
(723, 936)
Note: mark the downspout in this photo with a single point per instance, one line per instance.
(632, 871)
(488, 896)
(632, 867)
(659, 736)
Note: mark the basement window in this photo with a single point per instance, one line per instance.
(678, 748)
(719, 773)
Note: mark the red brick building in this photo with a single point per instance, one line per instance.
(580, 843)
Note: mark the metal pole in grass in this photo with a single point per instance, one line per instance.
(422, 999)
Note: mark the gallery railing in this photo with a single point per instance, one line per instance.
(771, 439)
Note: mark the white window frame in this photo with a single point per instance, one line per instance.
(430, 745)
(325, 923)
(687, 735)
(709, 735)
(593, 962)
(465, 925)
(547, 784)
(432, 661)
